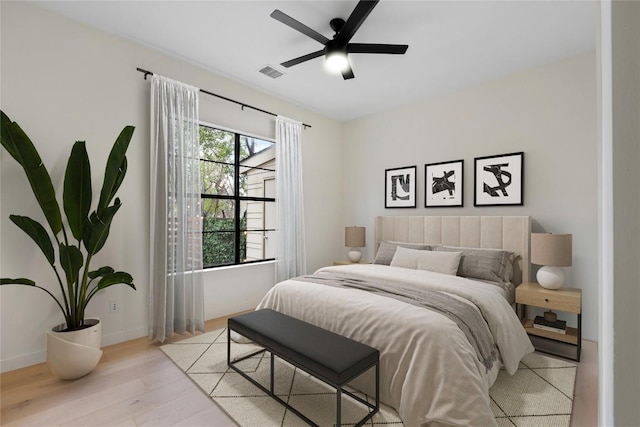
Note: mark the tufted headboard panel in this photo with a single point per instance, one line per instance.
(510, 233)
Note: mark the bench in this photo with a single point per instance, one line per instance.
(329, 357)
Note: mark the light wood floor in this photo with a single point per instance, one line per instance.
(135, 384)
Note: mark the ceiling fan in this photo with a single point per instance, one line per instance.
(336, 49)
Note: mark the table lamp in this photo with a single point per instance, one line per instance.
(551, 251)
(354, 238)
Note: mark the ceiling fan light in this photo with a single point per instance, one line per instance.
(336, 62)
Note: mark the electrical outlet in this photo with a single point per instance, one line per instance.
(114, 306)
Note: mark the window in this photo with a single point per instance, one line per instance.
(238, 197)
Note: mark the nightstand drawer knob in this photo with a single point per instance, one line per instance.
(546, 300)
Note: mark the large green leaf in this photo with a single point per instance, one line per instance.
(29, 282)
(71, 260)
(20, 281)
(110, 279)
(97, 227)
(116, 278)
(37, 232)
(77, 189)
(18, 144)
(116, 167)
(100, 272)
(122, 171)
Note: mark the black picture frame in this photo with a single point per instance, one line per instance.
(444, 184)
(400, 187)
(499, 180)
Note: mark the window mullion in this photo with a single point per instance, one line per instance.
(236, 178)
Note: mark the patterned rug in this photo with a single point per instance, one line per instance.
(540, 394)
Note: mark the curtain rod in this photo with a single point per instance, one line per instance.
(242, 104)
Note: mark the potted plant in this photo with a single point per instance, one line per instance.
(73, 348)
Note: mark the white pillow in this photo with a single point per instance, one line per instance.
(405, 258)
(434, 261)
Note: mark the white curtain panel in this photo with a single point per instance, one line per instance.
(291, 259)
(175, 291)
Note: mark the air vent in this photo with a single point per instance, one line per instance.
(268, 70)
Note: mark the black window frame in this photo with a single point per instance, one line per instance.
(236, 198)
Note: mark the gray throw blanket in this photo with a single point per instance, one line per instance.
(469, 320)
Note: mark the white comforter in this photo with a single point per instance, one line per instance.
(429, 372)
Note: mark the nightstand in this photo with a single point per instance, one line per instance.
(345, 262)
(566, 300)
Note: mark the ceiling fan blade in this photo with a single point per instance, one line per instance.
(348, 73)
(395, 49)
(298, 26)
(302, 59)
(357, 17)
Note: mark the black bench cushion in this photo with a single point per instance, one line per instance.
(325, 354)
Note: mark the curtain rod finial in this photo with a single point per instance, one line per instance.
(146, 72)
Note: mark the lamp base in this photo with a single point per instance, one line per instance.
(550, 277)
(355, 255)
(550, 316)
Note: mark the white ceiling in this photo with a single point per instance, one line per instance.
(452, 44)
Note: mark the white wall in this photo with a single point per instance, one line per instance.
(550, 113)
(62, 81)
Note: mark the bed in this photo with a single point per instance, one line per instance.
(436, 364)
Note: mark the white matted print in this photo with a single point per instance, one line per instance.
(443, 184)
(400, 187)
(499, 180)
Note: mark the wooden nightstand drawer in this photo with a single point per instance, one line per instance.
(567, 299)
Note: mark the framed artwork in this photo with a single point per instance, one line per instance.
(443, 184)
(499, 180)
(400, 187)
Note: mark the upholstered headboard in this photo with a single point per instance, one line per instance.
(510, 233)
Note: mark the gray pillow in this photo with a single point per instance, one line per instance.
(387, 250)
(485, 264)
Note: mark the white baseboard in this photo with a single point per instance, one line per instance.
(122, 336)
(30, 359)
(22, 361)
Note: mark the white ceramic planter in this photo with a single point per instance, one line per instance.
(72, 355)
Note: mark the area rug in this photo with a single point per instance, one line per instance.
(540, 394)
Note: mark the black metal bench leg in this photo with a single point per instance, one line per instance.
(339, 407)
(377, 386)
(272, 375)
